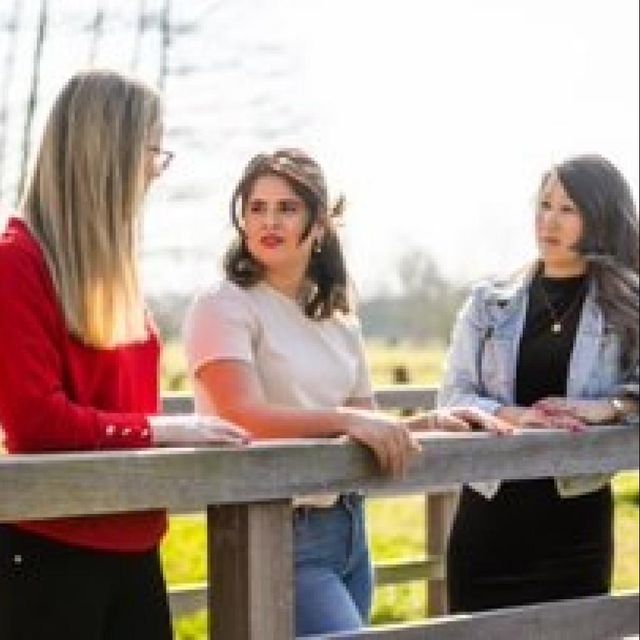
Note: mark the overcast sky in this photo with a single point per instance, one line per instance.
(435, 118)
(441, 116)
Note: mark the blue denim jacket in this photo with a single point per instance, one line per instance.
(481, 364)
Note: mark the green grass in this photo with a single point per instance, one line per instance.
(396, 525)
(423, 363)
(625, 571)
(396, 529)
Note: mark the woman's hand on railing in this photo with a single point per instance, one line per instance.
(459, 419)
(537, 418)
(590, 411)
(389, 439)
(195, 430)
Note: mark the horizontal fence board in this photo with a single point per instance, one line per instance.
(389, 397)
(185, 599)
(595, 618)
(177, 403)
(406, 397)
(408, 570)
(185, 479)
(189, 479)
(189, 598)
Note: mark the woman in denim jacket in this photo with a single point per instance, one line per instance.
(557, 346)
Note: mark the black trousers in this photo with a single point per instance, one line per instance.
(51, 591)
(529, 545)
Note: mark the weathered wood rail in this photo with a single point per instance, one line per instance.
(439, 505)
(247, 494)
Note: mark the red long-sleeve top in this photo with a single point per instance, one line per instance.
(58, 394)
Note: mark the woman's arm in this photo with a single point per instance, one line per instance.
(234, 391)
(461, 384)
(592, 411)
(620, 406)
(35, 412)
(539, 418)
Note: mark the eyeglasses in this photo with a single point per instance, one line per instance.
(161, 158)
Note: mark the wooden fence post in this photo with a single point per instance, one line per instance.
(440, 508)
(251, 570)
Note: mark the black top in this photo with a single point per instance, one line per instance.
(543, 357)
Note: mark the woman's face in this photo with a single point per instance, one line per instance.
(275, 218)
(559, 225)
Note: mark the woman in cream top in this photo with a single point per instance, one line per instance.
(277, 349)
(266, 329)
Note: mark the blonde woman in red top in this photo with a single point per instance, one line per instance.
(79, 364)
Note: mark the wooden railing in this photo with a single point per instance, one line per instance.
(439, 505)
(247, 494)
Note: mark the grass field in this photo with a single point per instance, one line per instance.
(396, 529)
(396, 526)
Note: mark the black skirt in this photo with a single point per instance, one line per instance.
(529, 545)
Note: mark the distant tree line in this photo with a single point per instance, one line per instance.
(422, 307)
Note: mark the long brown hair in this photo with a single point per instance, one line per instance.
(326, 271)
(609, 242)
(83, 198)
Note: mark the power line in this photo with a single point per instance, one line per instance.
(165, 29)
(9, 60)
(33, 94)
(137, 42)
(97, 29)
(213, 6)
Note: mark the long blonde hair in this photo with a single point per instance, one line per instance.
(83, 199)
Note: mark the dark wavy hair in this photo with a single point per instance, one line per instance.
(326, 272)
(609, 242)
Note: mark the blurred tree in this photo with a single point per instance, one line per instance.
(424, 307)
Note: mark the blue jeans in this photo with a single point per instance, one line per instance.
(333, 573)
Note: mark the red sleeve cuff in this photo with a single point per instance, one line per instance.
(123, 431)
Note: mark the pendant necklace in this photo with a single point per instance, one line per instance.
(558, 319)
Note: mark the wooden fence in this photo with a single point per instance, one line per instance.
(247, 494)
(439, 505)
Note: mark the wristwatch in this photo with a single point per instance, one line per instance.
(619, 408)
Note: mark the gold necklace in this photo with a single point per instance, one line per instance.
(556, 325)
